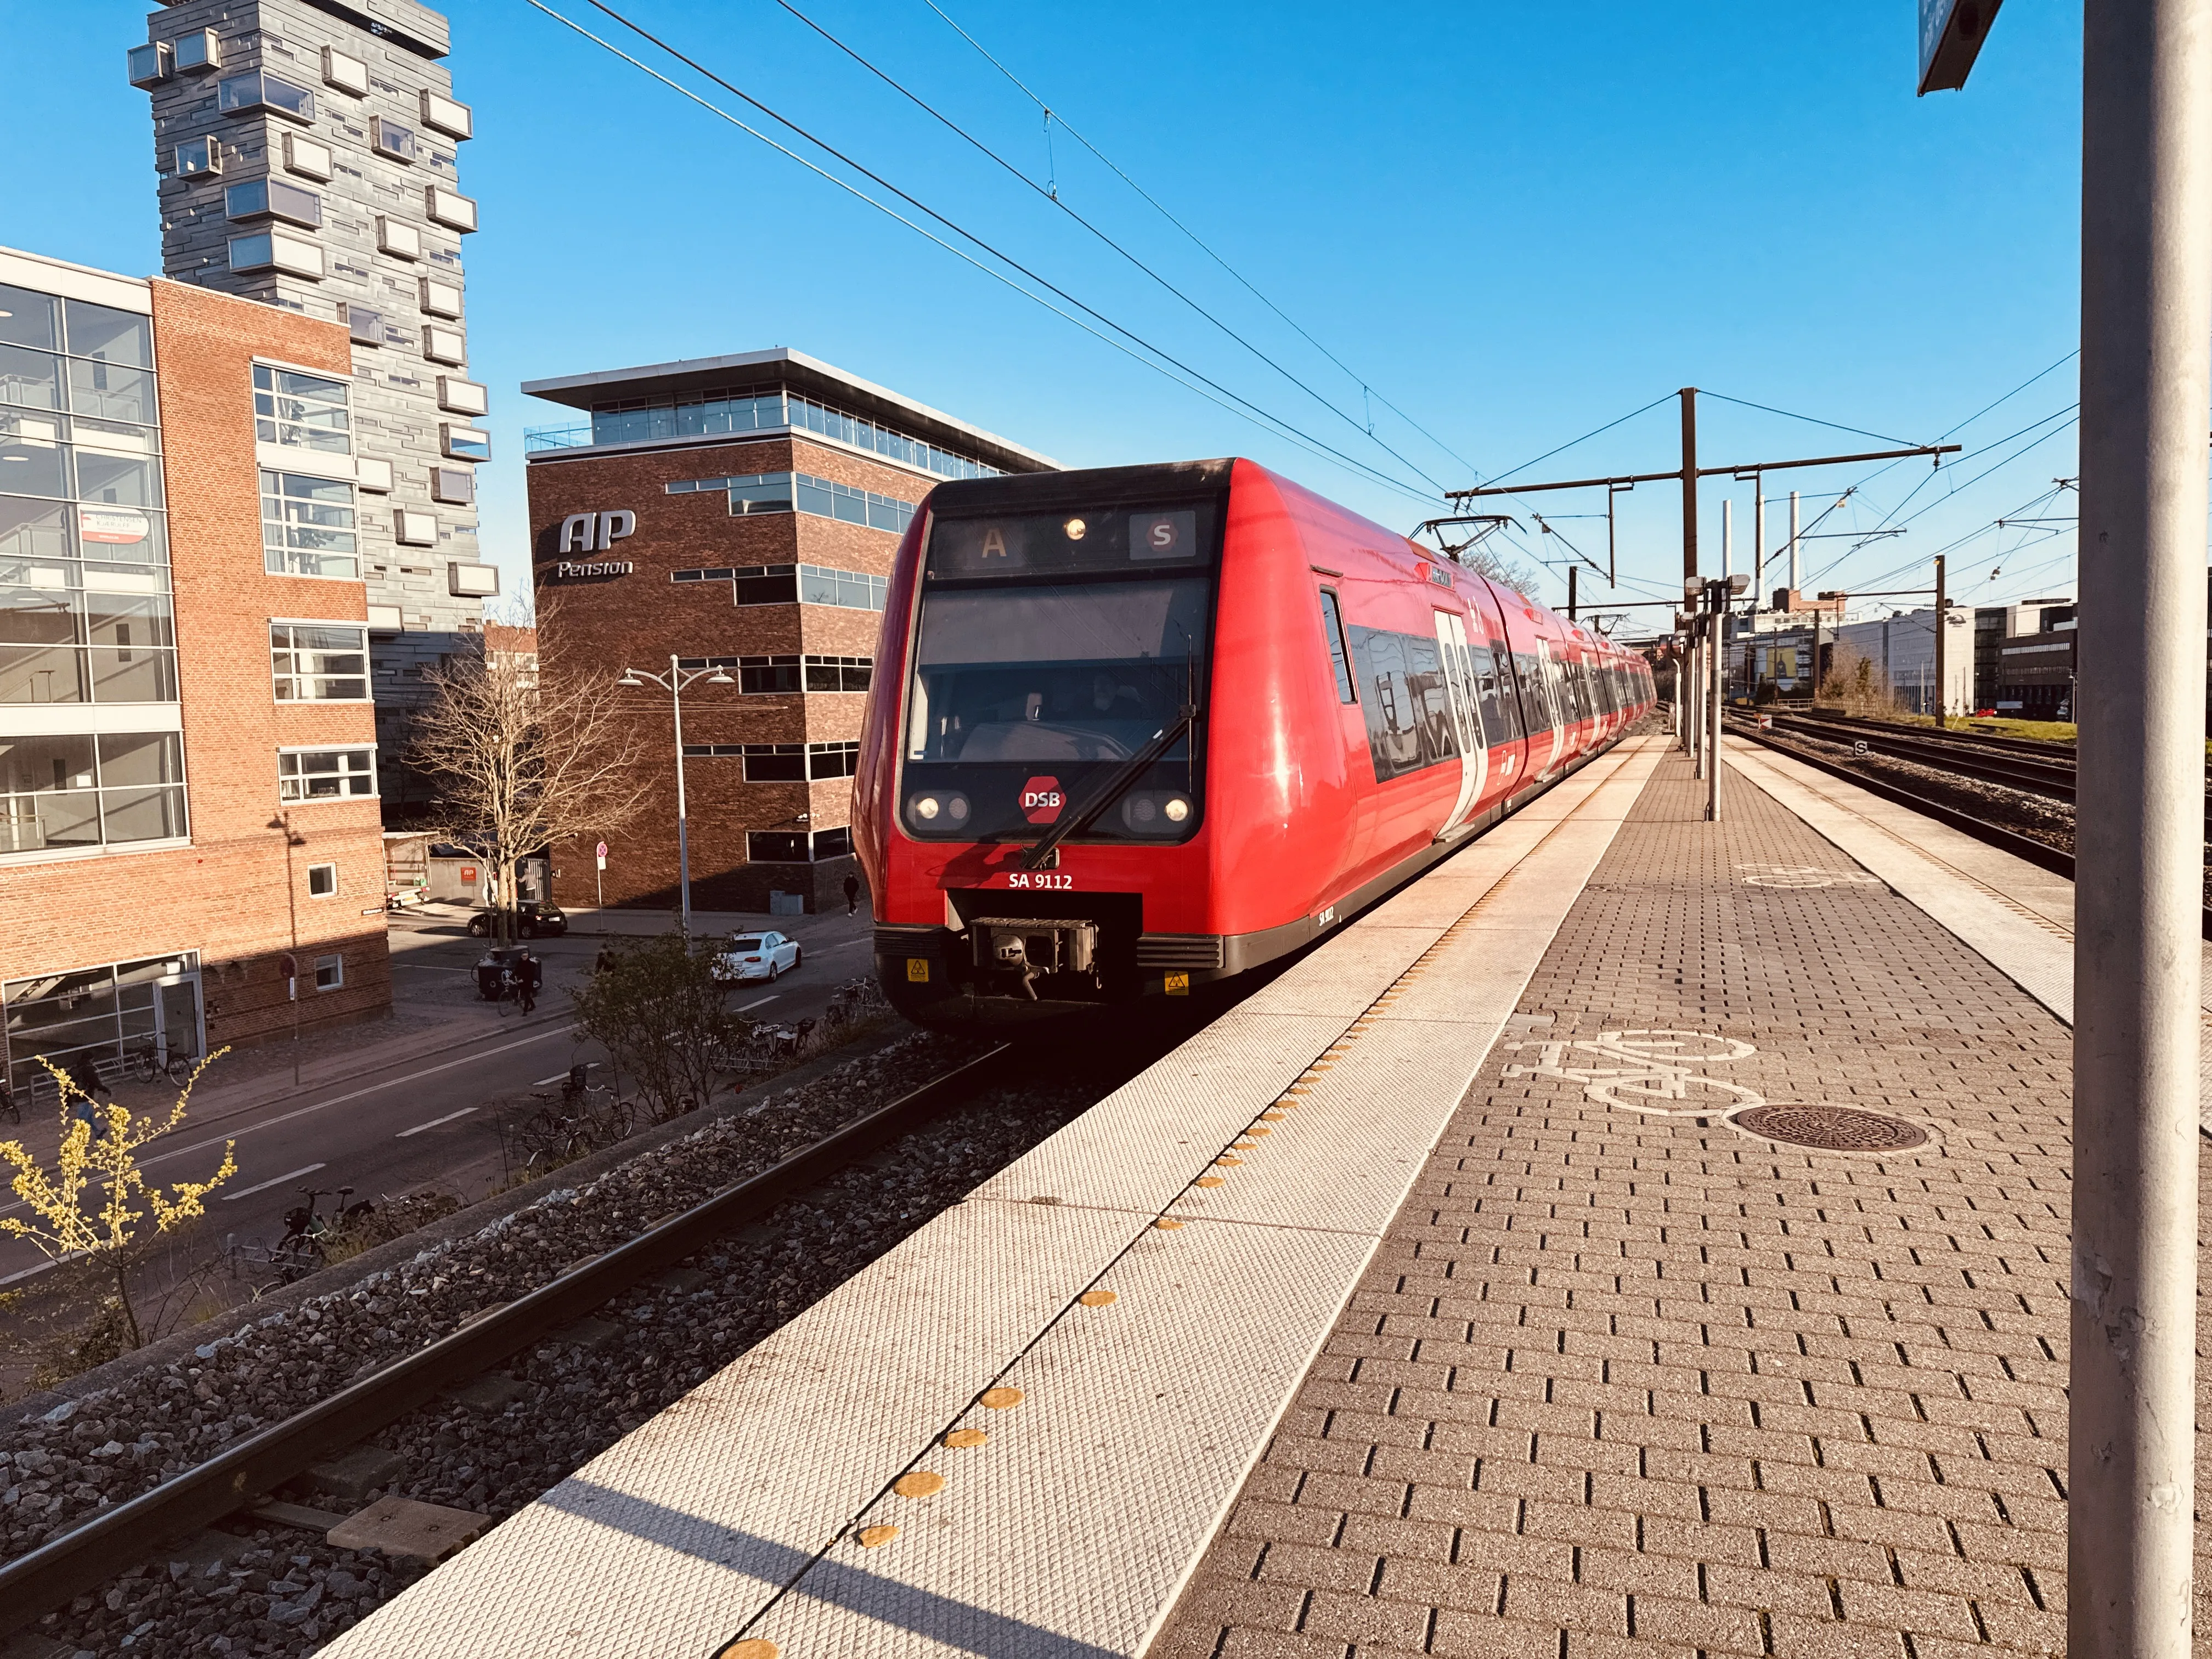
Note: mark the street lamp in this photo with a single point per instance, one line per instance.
(673, 683)
(283, 821)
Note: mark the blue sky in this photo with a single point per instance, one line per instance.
(1512, 229)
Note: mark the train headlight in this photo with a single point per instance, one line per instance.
(1075, 529)
(1142, 809)
(955, 807)
(1177, 809)
(927, 807)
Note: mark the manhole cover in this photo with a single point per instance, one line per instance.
(1832, 1129)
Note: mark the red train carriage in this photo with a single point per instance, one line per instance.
(1139, 728)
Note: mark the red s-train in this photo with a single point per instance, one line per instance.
(1136, 729)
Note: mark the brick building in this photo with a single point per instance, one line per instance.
(740, 514)
(307, 154)
(163, 695)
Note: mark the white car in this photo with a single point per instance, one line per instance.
(758, 956)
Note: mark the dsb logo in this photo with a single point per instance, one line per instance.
(1041, 800)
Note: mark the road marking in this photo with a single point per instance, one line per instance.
(433, 967)
(562, 1077)
(278, 1181)
(746, 1008)
(340, 1100)
(434, 1123)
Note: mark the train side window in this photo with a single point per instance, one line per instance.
(1332, 623)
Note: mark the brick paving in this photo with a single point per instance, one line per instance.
(1621, 1382)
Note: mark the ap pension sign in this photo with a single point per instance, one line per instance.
(1951, 36)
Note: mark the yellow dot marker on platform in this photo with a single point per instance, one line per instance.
(1256, 1130)
(871, 1538)
(959, 1439)
(1000, 1399)
(1226, 1162)
(1167, 1224)
(1272, 1115)
(922, 1482)
(754, 1647)
(1096, 1298)
(1249, 1146)
(1207, 1180)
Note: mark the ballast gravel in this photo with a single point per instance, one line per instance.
(288, 1592)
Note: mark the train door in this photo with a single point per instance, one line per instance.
(1467, 720)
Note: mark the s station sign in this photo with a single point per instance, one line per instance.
(1951, 36)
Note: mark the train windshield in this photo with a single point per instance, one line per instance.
(1045, 657)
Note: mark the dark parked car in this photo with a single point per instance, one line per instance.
(531, 918)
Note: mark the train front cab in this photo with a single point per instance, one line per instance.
(1360, 708)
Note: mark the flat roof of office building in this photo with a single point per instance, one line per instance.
(796, 370)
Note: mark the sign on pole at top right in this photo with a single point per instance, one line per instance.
(1951, 36)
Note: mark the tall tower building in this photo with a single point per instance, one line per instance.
(307, 154)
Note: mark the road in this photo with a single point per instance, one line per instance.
(403, 1115)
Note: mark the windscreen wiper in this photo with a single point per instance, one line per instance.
(1039, 857)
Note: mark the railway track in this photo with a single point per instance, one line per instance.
(2037, 774)
(2046, 748)
(2041, 853)
(238, 1477)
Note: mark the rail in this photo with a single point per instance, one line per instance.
(236, 1478)
(2056, 860)
(2037, 776)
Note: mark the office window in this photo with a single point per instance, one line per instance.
(767, 676)
(252, 198)
(766, 584)
(329, 973)
(852, 589)
(839, 673)
(770, 846)
(304, 156)
(278, 250)
(304, 774)
(199, 158)
(302, 411)
(65, 793)
(391, 140)
(320, 662)
(322, 880)
(251, 94)
(398, 237)
(832, 759)
(345, 72)
(307, 527)
(775, 762)
(833, 843)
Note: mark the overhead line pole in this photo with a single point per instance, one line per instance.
(2146, 380)
(1689, 396)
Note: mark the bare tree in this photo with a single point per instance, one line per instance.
(523, 757)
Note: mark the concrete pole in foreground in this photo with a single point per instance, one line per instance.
(2146, 380)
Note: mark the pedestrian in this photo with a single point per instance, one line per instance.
(526, 976)
(605, 961)
(852, 894)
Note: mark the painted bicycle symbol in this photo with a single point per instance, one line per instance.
(1649, 1071)
(1803, 876)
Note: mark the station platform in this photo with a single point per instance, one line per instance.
(1468, 1290)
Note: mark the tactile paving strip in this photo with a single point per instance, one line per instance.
(740, 1511)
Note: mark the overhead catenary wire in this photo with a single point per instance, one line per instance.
(1814, 420)
(1251, 410)
(1050, 192)
(1203, 246)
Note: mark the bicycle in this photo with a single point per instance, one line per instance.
(149, 1066)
